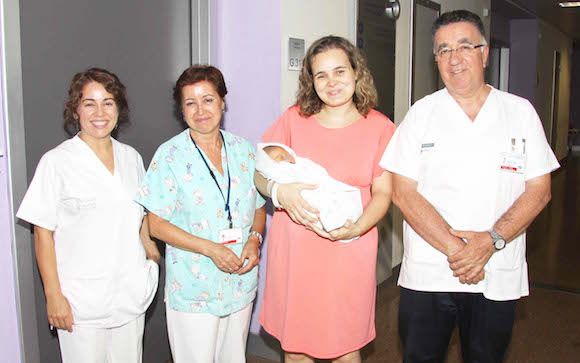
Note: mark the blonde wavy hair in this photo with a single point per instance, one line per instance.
(365, 94)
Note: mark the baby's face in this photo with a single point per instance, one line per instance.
(279, 154)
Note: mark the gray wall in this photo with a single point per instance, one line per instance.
(523, 53)
(500, 30)
(147, 44)
(555, 117)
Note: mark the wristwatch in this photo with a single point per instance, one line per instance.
(258, 235)
(497, 240)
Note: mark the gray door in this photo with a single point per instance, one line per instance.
(147, 44)
(424, 72)
(555, 100)
(376, 38)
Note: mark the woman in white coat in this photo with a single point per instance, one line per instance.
(94, 253)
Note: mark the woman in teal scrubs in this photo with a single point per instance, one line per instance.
(200, 193)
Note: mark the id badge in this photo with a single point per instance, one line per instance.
(230, 236)
(513, 162)
(427, 147)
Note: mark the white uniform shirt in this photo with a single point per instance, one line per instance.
(471, 172)
(101, 262)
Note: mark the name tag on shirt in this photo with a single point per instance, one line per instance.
(513, 162)
(230, 236)
(429, 146)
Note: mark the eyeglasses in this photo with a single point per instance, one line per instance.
(461, 51)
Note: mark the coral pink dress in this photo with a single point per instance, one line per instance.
(320, 295)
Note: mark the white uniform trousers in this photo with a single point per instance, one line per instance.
(206, 338)
(123, 344)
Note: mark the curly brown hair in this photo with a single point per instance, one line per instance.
(365, 94)
(110, 82)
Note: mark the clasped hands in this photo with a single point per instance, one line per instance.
(468, 260)
(303, 213)
(226, 260)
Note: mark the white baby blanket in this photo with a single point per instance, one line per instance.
(336, 201)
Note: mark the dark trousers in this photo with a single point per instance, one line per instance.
(427, 320)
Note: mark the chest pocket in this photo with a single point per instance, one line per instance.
(513, 157)
(81, 186)
(78, 204)
(441, 163)
(75, 204)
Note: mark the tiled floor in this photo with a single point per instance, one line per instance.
(547, 327)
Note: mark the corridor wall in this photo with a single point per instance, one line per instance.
(551, 40)
(250, 45)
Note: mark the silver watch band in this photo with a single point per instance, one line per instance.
(497, 240)
(495, 236)
(258, 235)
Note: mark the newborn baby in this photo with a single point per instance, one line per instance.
(337, 202)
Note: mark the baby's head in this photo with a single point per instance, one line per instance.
(278, 153)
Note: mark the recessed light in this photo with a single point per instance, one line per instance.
(569, 4)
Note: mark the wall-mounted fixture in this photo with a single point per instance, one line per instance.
(569, 4)
(393, 9)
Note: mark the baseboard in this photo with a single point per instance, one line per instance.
(265, 346)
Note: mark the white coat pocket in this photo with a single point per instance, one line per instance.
(75, 205)
(142, 286)
(90, 298)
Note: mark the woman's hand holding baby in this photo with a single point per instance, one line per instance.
(348, 231)
(290, 198)
(298, 209)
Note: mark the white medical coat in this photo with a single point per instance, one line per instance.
(101, 261)
(459, 168)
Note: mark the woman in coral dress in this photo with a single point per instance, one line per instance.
(319, 299)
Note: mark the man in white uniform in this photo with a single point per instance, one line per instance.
(471, 172)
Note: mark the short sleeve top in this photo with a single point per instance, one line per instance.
(179, 188)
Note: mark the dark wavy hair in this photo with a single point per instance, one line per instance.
(110, 82)
(458, 16)
(365, 94)
(197, 73)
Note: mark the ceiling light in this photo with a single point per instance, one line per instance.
(569, 4)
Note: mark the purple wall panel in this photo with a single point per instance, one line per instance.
(245, 45)
(9, 336)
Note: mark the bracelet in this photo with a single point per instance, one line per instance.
(258, 235)
(269, 186)
(274, 195)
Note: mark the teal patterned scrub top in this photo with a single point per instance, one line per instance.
(179, 188)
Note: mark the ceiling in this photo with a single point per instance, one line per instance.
(565, 19)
